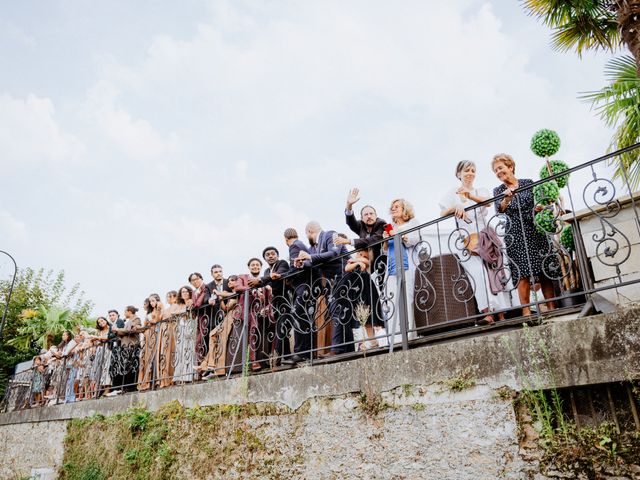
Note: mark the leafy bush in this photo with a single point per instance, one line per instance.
(566, 238)
(545, 221)
(546, 193)
(545, 143)
(138, 419)
(557, 166)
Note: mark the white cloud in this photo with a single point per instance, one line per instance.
(11, 227)
(135, 137)
(31, 136)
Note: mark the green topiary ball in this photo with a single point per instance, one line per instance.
(545, 143)
(546, 193)
(545, 221)
(557, 166)
(566, 238)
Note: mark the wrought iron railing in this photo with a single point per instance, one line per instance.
(443, 282)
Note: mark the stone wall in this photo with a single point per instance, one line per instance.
(428, 430)
(416, 432)
(25, 447)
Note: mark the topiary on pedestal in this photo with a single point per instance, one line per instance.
(546, 193)
(557, 166)
(545, 221)
(566, 238)
(545, 143)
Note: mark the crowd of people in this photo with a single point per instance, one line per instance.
(308, 305)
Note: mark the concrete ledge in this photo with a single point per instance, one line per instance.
(597, 349)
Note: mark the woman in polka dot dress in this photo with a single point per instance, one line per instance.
(527, 247)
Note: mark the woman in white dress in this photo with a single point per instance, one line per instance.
(402, 219)
(100, 368)
(185, 338)
(473, 223)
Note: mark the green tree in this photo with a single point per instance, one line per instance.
(45, 293)
(590, 24)
(582, 25)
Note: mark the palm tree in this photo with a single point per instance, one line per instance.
(604, 25)
(619, 104)
(42, 326)
(590, 24)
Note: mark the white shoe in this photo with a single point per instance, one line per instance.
(114, 393)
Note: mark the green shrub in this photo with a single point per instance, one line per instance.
(557, 166)
(546, 193)
(545, 221)
(138, 419)
(566, 238)
(545, 143)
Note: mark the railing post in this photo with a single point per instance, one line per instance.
(403, 318)
(245, 330)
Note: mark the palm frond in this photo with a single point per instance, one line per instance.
(618, 104)
(577, 24)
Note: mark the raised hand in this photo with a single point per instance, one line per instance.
(352, 197)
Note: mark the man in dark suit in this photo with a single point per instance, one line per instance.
(199, 300)
(219, 283)
(369, 229)
(279, 306)
(219, 287)
(330, 260)
(301, 313)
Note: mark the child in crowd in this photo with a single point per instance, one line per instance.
(361, 259)
(373, 326)
(38, 381)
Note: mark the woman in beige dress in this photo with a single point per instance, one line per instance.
(185, 338)
(166, 341)
(150, 338)
(216, 360)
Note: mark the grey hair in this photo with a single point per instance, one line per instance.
(313, 226)
(463, 164)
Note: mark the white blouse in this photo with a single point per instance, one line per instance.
(478, 216)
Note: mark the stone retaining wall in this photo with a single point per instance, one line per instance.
(429, 432)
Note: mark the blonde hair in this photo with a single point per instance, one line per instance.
(504, 158)
(407, 209)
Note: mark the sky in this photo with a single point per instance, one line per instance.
(142, 141)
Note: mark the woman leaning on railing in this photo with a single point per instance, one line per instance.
(481, 252)
(526, 246)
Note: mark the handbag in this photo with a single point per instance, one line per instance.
(470, 243)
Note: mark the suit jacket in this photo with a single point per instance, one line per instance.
(298, 276)
(367, 237)
(323, 255)
(277, 286)
(202, 298)
(213, 286)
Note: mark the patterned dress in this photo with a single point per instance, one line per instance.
(526, 247)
